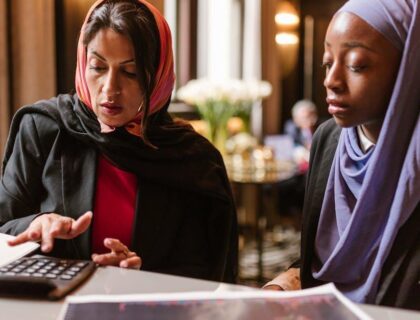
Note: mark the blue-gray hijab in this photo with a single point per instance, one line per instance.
(370, 196)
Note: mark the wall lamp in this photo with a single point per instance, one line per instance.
(287, 21)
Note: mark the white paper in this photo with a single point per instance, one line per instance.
(9, 253)
(328, 289)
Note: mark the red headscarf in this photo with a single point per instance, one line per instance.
(165, 76)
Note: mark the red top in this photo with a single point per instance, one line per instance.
(115, 202)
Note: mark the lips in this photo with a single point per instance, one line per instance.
(111, 108)
(336, 107)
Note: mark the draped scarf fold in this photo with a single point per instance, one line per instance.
(165, 76)
(370, 196)
(184, 159)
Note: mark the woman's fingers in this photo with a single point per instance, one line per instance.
(33, 233)
(61, 227)
(47, 241)
(116, 245)
(48, 227)
(81, 224)
(27, 235)
(273, 287)
(68, 228)
(287, 280)
(120, 255)
(133, 262)
(108, 259)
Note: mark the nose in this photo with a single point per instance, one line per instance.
(335, 78)
(111, 86)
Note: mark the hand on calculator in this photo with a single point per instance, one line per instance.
(50, 226)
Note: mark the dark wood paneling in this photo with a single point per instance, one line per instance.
(318, 89)
(70, 15)
(270, 68)
(321, 11)
(186, 41)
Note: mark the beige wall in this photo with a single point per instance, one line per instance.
(33, 50)
(158, 4)
(4, 83)
(27, 57)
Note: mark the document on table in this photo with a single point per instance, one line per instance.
(9, 254)
(323, 303)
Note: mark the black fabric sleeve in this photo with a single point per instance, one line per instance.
(222, 229)
(21, 184)
(205, 245)
(312, 182)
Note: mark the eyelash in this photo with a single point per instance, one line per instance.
(326, 65)
(97, 69)
(100, 69)
(130, 74)
(356, 69)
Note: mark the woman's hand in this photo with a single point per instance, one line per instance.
(288, 280)
(120, 255)
(50, 226)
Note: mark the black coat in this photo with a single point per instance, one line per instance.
(185, 221)
(399, 284)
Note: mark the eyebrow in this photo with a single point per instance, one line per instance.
(103, 59)
(352, 45)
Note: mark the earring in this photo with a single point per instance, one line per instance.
(140, 107)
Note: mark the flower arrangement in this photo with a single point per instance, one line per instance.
(218, 101)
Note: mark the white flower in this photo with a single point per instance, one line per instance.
(232, 92)
(218, 101)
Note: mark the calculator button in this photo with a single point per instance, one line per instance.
(37, 275)
(26, 263)
(66, 277)
(51, 276)
(75, 269)
(81, 264)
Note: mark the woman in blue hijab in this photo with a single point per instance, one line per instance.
(361, 227)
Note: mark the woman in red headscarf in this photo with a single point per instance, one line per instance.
(107, 174)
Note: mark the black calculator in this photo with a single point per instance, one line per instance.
(43, 277)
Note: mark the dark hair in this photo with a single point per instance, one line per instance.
(135, 21)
